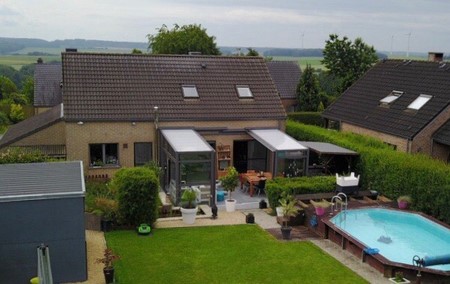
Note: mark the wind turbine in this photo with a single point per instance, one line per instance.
(303, 35)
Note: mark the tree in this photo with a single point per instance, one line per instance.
(182, 40)
(308, 90)
(6, 87)
(16, 113)
(252, 52)
(136, 51)
(28, 89)
(348, 60)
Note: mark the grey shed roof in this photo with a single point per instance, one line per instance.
(21, 182)
(47, 84)
(443, 134)
(127, 87)
(286, 75)
(323, 148)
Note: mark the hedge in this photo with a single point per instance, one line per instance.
(298, 185)
(307, 117)
(389, 172)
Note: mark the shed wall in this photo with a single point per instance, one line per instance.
(58, 223)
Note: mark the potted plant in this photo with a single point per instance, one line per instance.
(398, 278)
(108, 259)
(107, 208)
(320, 207)
(403, 201)
(289, 210)
(189, 206)
(229, 182)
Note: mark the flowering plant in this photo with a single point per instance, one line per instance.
(108, 258)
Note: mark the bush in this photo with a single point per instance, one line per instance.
(137, 190)
(95, 190)
(390, 172)
(17, 155)
(279, 187)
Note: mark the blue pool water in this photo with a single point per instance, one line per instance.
(410, 234)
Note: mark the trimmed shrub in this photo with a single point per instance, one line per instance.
(390, 172)
(279, 187)
(308, 117)
(137, 190)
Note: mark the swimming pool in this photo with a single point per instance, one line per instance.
(398, 235)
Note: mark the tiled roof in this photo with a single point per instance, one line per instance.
(127, 87)
(32, 125)
(286, 75)
(443, 134)
(360, 104)
(47, 84)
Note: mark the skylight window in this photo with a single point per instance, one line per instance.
(189, 91)
(419, 102)
(391, 97)
(244, 92)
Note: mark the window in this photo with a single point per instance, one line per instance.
(244, 92)
(142, 153)
(103, 155)
(419, 102)
(391, 97)
(189, 91)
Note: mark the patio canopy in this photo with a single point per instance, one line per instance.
(275, 140)
(323, 148)
(186, 140)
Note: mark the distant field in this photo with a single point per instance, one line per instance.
(21, 57)
(17, 61)
(303, 61)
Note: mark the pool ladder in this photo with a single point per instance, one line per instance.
(338, 197)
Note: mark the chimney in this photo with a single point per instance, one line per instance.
(435, 56)
(40, 61)
(71, 50)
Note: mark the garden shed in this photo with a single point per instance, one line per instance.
(42, 203)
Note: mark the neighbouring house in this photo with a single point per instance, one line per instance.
(405, 103)
(42, 203)
(194, 115)
(286, 76)
(47, 86)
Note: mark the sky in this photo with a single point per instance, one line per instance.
(388, 25)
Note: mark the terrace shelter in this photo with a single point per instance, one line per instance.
(287, 157)
(188, 161)
(323, 154)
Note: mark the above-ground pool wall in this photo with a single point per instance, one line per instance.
(58, 223)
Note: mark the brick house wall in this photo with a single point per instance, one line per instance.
(38, 110)
(125, 134)
(400, 143)
(52, 135)
(422, 142)
(289, 104)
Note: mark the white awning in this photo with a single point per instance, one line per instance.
(186, 140)
(275, 140)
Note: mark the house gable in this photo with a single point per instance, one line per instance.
(360, 104)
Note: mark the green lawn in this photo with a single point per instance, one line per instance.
(223, 254)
